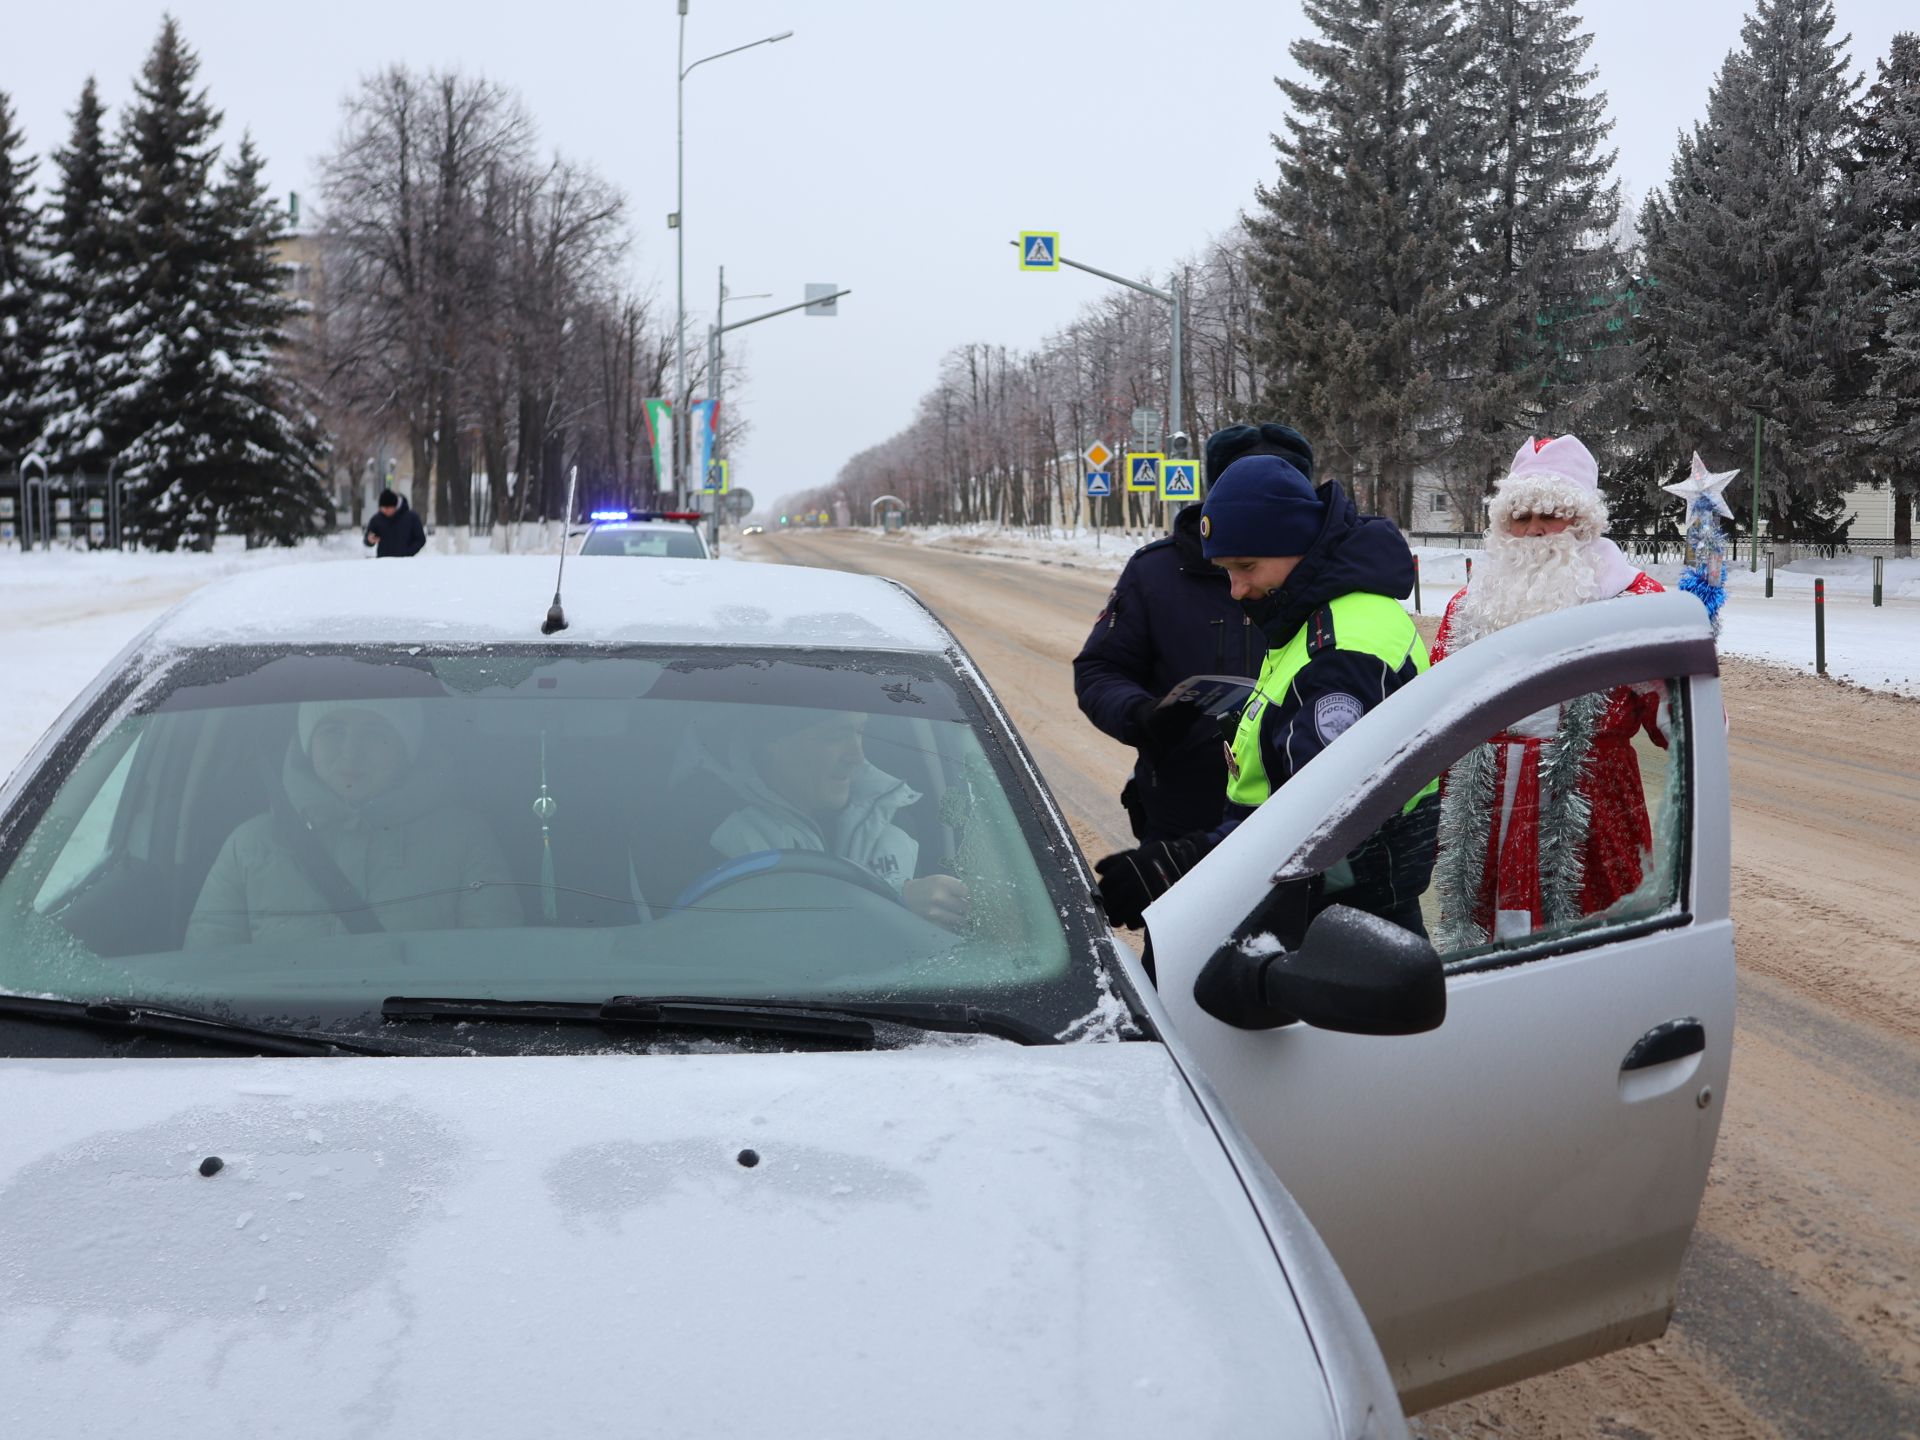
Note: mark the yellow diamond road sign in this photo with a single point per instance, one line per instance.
(1097, 455)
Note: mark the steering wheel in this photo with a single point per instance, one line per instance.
(782, 862)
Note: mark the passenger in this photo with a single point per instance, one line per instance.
(796, 779)
(1325, 583)
(363, 839)
(1171, 616)
(1546, 550)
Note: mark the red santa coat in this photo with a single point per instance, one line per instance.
(1510, 900)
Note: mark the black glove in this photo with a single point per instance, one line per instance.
(1231, 986)
(1131, 880)
(1162, 727)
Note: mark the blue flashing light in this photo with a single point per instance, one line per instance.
(608, 515)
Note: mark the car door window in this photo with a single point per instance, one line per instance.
(1566, 823)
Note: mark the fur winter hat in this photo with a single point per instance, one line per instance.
(1554, 475)
(1228, 445)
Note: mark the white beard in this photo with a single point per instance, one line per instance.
(1524, 576)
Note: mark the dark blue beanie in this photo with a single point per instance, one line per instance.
(1228, 445)
(1260, 505)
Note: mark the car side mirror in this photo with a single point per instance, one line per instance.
(1352, 972)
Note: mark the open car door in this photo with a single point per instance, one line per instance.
(1514, 1190)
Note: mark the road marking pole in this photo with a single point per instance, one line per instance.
(1416, 584)
(1879, 574)
(1819, 627)
(1769, 575)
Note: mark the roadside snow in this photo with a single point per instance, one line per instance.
(71, 611)
(1875, 648)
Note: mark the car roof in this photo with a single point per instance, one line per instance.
(454, 599)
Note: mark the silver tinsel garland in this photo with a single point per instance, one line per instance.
(1566, 814)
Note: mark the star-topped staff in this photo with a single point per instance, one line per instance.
(1706, 541)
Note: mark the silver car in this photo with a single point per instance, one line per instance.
(698, 1021)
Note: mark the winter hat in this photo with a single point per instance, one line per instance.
(1228, 445)
(1553, 475)
(1260, 505)
(405, 716)
(387, 497)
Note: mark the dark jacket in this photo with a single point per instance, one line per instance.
(1362, 554)
(1171, 615)
(400, 533)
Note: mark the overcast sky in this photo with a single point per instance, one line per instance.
(894, 148)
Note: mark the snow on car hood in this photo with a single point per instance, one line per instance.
(980, 1239)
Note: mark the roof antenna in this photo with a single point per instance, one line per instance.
(556, 617)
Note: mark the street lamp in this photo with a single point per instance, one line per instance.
(678, 224)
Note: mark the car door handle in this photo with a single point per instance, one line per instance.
(1673, 1040)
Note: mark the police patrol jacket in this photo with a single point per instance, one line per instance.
(1339, 642)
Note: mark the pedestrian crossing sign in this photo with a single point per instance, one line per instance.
(719, 477)
(1143, 472)
(1099, 482)
(1180, 480)
(1039, 249)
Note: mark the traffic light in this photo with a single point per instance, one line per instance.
(783, 519)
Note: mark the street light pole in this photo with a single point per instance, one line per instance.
(682, 434)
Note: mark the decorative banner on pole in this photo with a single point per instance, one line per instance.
(660, 432)
(1705, 574)
(1180, 480)
(1143, 472)
(1099, 483)
(704, 417)
(1039, 249)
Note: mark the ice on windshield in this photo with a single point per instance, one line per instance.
(290, 835)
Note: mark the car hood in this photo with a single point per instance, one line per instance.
(972, 1238)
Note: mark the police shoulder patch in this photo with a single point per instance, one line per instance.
(1334, 714)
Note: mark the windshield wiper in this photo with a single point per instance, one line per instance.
(133, 1017)
(850, 1025)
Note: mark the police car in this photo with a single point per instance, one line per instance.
(654, 534)
(387, 1053)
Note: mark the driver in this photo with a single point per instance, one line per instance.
(795, 779)
(369, 840)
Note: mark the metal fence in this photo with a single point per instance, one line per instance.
(1655, 548)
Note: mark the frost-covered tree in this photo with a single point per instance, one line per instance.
(1760, 298)
(209, 436)
(80, 225)
(22, 311)
(1545, 284)
(1356, 245)
(257, 460)
(1890, 170)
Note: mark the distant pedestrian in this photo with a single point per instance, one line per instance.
(1172, 615)
(396, 530)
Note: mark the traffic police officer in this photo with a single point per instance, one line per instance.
(1172, 614)
(1324, 583)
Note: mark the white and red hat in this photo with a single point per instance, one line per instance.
(1557, 475)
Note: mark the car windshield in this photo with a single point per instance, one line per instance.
(672, 542)
(296, 837)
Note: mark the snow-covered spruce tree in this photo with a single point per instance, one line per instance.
(1890, 169)
(1543, 352)
(258, 460)
(80, 224)
(1356, 245)
(1760, 298)
(22, 302)
(210, 434)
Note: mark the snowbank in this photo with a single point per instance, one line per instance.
(68, 612)
(1876, 648)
